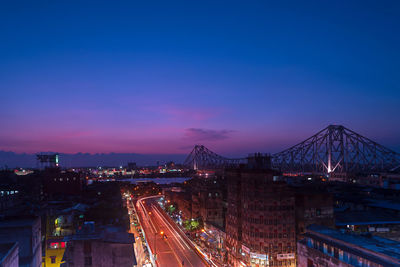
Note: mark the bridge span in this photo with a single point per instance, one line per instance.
(333, 150)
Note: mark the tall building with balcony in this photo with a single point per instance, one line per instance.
(260, 222)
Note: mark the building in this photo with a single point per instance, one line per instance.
(208, 199)
(10, 191)
(132, 166)
(313, 206)
(326, 247)
(56, 182)
(214, 238)
(182, 200)
(9, 255)
(26, 231)
(377, 222)
(260, 223)
(58, 225)
(105, 247)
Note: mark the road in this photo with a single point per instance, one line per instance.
(165, 240)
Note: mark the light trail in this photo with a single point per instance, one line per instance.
(144, 211)
(175, 235)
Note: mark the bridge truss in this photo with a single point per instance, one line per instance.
(201, 158)
(337, 149)
(334, 149)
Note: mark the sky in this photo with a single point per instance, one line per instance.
(159, 77)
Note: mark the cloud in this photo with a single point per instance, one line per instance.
(198, 134)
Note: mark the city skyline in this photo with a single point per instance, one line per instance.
(159, 79)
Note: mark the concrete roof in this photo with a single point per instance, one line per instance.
(385, 247)
(365, 217)
(5, 249)
(17, 222)
(386, 204)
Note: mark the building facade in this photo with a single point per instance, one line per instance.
(26, 231)
(313, 206)
(208, 199)
(260, 226)
(325, 247)
(107, 247)
(9, 255)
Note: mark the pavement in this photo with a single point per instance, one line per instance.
(141, 256)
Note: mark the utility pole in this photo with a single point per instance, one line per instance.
(155, 246)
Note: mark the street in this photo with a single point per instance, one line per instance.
(169, 245)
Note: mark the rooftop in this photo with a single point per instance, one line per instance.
(358, 243)
(366, 217)
(107, 234)
(18, 222)
(5, 249)
(386, 204)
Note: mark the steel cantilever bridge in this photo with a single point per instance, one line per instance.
(334, 149)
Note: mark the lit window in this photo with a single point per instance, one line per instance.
(54, 245)
(62, 244)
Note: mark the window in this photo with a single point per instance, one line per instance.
(87, 247)
(336, 253)
(318, 212)
(53, 259)
(88, 261)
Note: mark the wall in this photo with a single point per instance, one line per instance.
(103, 254)
(27, 233)
(12, 258)
(306, 255)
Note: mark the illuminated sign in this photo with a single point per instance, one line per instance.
(285, 256)
(245, 249)
(259, 256)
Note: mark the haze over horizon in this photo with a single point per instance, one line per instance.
(157, 78)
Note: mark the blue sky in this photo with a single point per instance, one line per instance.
(159, 77)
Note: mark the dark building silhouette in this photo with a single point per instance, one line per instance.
(260, 222)
(56, 182)
(208, 194)
(314, 205)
